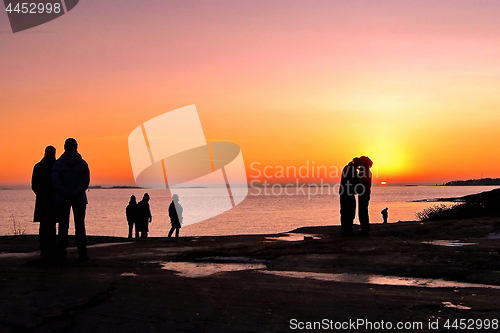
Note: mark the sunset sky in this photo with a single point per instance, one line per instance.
(415, 85)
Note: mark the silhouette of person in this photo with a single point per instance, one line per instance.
(348, 184)
(385, 214)
(45, 212)
(71, 178)
(364, 193)
(131, 212)
(175, 213)
(143, 216)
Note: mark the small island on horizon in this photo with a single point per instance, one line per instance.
(474, 182)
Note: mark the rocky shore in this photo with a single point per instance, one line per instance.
(407, 272)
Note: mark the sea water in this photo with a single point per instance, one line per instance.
(259, 213)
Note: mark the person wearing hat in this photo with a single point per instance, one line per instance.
(175, 213)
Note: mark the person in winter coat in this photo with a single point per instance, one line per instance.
(45, 213)
(348, 184)
(385, 214)
(175, 213)
(365, 180)
(131, 212)
(71, 177)
(143, 216)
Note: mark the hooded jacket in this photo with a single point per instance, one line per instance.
(71, 177)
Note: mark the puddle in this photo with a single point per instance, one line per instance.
(379, 280)
(454, 306)
(104, 245)
(226, 260)
(451, 243)
(293, 237)
(20, 255)
(128, 274)
(201, 269)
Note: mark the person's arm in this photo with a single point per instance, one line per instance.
(84, 182)
(34, 181)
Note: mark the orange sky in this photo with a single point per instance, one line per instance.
(412, 84)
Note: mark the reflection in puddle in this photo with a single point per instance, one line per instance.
(451, 305)
(230, 260)
(128, 274)
(380, 280)
(105, 245)
(451, 243)
(20, 255)
(293, 237)
(200, 269)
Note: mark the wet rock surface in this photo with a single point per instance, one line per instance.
(124, 288)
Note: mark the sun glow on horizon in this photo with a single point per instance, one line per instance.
(412, 85)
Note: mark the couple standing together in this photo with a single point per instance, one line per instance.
(138, 214)
(356, 180)
(60, 186)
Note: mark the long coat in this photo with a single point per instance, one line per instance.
(42, 185)
(143, 216)
(131, 212)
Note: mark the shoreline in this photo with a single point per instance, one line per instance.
(123, 287)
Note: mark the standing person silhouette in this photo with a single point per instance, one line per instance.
(175, 213)
(385, 214)
(364, 193)
(143, 216)
(45, 212)
(131, 212)
(71, 178)
(348, 184)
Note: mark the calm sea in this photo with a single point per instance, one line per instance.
(257, 214)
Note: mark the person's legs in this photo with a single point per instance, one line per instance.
(48, 243)
(347, 214)
(62, 237)
(80, 233)
(52, 239)
(42, 237)
(171, 231)
(136, 231)
(364, 218)
(130, 227)
(177, 232)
